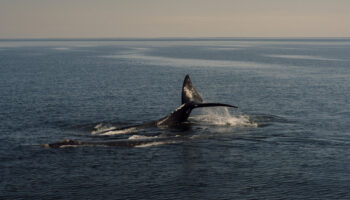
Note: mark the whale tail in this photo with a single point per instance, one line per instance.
(191, 99)
(189, 93)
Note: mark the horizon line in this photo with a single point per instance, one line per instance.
(171, 38)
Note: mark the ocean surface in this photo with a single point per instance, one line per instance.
(289, 139)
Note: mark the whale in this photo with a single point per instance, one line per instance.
(190, 99)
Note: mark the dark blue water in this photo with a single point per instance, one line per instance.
(289, 139)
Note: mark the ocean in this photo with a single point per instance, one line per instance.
(289, 138)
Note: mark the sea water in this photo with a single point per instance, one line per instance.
(289, 139)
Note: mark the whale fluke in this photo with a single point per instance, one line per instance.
(191, 99)
(189, 93)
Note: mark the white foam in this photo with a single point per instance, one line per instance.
(150, 143)
(138, 137)
(222, 117)
(121, 132)
(102, 129)
(156, 143)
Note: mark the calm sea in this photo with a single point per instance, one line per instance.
(289, 139)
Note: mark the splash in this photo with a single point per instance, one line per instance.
(222, 117)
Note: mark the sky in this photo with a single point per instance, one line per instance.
(173, 18)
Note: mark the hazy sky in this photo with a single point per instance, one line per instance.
(174, 18)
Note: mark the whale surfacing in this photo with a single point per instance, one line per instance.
(190, 99)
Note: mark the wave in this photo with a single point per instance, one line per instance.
(303, 57)
(61, 48)
(139, 56)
